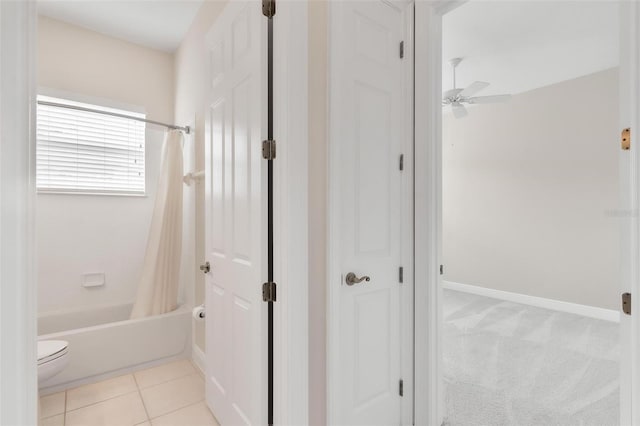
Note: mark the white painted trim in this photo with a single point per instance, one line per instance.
(408, 287)
(291, 371)
(539, 302)
(291, 400)
(18, 305)
(429, 393)
(198, 358)
(333, 234)
(630, 204)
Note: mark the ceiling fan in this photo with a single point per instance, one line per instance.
(458, 97)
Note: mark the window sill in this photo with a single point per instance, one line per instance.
(89, 193)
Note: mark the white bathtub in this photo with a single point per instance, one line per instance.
(104, 342)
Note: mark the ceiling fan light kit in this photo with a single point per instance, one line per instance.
(457, 97)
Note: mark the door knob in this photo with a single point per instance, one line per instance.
(352, 279)
(205, 268)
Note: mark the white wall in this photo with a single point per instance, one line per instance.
(190, 91)
(77, 234)
(528, 191)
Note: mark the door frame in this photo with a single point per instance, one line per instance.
(18, 304)
(629, 197)
(291, 218)
(290, 82)
(333, 208)
(428, 205)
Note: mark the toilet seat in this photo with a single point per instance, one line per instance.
(48, 350)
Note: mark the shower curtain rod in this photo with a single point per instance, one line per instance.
(185, 129)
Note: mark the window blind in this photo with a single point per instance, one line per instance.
(87, 152)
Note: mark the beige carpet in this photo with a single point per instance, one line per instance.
(512, 364)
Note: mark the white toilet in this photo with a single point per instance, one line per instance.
(53, 356)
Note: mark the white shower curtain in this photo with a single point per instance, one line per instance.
(158, 286)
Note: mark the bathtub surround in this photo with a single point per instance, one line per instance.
(79, 234)
(158, 286)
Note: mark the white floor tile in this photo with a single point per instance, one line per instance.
(164, 373)
(52, 421)
(51, 405)
(193, 415)
(101, 391)
(124, 410)
(170, 396)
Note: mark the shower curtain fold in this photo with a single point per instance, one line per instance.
(159, 281)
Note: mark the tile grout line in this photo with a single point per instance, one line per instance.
(101, 401)
(169, 380)
(142, 399)
(182, 408)
(196, 372)
(64, 414)
(133, 373)
(138, 388)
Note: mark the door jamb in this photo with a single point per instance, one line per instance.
(427, 201)
(291, 341)
(18, 289)
(290, 80)
(630, 228)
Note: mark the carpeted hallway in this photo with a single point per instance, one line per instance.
(512, 364)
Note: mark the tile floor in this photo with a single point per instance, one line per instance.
(168, 395)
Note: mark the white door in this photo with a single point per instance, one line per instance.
(368, 132)
(235, 218)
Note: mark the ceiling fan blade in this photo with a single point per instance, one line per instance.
(458, 110)
(451, 93)
(474, 88)
(489, 99)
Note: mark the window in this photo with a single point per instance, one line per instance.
(88, 152)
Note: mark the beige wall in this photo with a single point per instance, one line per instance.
(77, 234)
(317, 209)
(527, 187)
(190, 91)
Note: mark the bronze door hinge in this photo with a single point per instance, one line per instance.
(625, 139)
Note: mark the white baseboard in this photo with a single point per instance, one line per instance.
(540, 302)
(198, 359)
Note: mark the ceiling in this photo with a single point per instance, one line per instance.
(524, 45)
(159, 24)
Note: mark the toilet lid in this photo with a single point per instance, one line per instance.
(51, 349)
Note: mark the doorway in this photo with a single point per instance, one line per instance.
(530, 247)
(429, 299)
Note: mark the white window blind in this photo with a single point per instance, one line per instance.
(88, 152)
